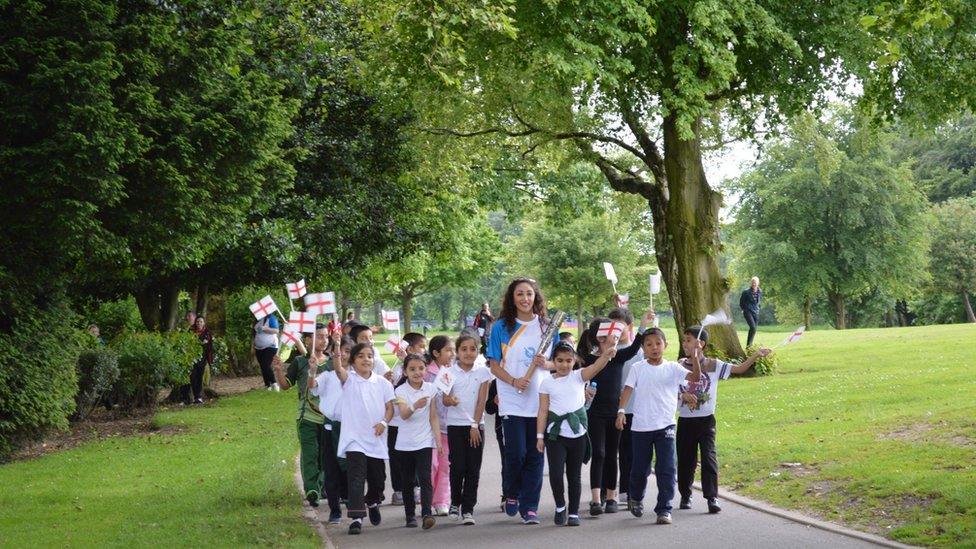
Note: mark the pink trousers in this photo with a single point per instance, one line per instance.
(440, 475)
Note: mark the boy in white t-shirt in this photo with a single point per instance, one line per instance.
(366, 408)
(561, 427)
(696, 418)
(655, 386)
(327, 387)
(419, 432)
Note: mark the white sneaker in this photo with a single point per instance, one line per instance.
(276, 387)
(468, 519)
(622, 497)
(440, 510)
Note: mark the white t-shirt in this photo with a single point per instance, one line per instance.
(518, 354)
(415, 433)
(565, 396)
(706, 390)
(329, 390)
(625, 371)
(466, 387)
(379, 365)
(362, 406)
(655, 394)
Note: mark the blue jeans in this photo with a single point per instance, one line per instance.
(644, 445)
(523, 463)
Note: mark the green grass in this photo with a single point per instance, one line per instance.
(220, 475)
(883, 422)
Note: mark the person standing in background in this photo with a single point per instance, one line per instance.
(482, 323)
(265, 346)
(749, 303)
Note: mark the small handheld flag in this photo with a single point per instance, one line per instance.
(719, 316)
(444, 381)
(654, 283)
(623, 300)
(608, 329)
(290, 336)
(296, 290)
(320, 304)
(391, 320)
(302, 322)
(795, 336)
(393, 343)
(263, 307)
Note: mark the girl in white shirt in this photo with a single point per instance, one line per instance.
(561, 424)
(419, 432)
(366, 408)
(465, 408)
(441, 354)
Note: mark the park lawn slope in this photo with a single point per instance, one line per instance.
(875, 428)
(215, 475)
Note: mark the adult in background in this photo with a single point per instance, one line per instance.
(265, 348)
(482, 323)
(519, 365)
(206, 359)
(749, 303)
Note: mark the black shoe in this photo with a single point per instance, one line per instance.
(595, 509)
(313, 498)
(573, 520)
(685, 502)
(374, 514)
(356, 527)
(713, 506)
(559, 518)
(412, 522)
(610, 507)
(335, 516)
(637, 508)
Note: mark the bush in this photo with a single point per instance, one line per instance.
(37, 375)
(117, 317)
(151, 362)
(97, 371)
(764, 366)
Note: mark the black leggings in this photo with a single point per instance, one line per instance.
(196, 382)
(365, 474)
(265, 357)
(625, 453)
(566, 458)
(465, 466)
(414, 468)
(336, 483)
(606, 439)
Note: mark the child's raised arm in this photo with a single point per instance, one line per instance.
(744, 366)
(592, 370)
(541, 420)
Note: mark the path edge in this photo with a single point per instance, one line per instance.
(308, 512)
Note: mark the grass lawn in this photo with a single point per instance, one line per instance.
(876, 428)
(219, 475)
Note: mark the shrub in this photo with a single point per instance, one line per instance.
(149, 363)
(97, 371)
(117, 317)
(764, 366)
(37, 375)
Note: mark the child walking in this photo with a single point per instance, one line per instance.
(655, 385)
(416, 344)
(366, 408)
(419, 432)
(327, 387)
(466, 427)
(441, 354)
(561, 428)
(696, 418)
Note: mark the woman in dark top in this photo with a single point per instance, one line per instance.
(206, 359)
(602, 414)
(749, 303)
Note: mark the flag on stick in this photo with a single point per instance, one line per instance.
(391, 320)
(795, 336)
(296, 290)
(263, 307)
(719, 316)
(302, 322)
(654, 283)
(290, 336)
(623, 300)
(393, 343)
(444, 381)
(608, 329)
(320, 304)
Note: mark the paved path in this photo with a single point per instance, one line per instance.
(735, 526)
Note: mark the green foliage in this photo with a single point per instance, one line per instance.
(150, 362)
(37, 375)
(945, 159)
(116, 317)
(954, 245)
(97, 370)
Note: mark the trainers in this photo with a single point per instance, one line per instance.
(685, 502)
(440, 510)
(335, 516)
(198, 401)
(560, 517)
(429, 522)
(411, 522)
(454, 513)
(397, 498)
(531, 517)
(664, 518)
(467, 519)
(374, 514)
(573, 520)
(275, 387)
(595, 508)
(637, 508)
(312, 497)
(356, 527)
(713, 506)
(622, 497)
(511, 507)
(611, 507)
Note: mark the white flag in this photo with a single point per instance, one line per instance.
(623, 300)
(794, 336)
(263, 307)
(717, 317)
(393, 343)
(611, 275)
(391, 320)
(655, 283)
(320, 304)
(296, 290)
(290, 336)
(302, 322)
(444, 381)
(611, 328)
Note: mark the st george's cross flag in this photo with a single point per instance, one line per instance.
(717, 317)
(391, 320)
(320, 304)
(611, 328)
(296, 290)
(444, 381)
(794, 336)
(290, 336)
(302, 322)
(263, 307)
(623, 300)
(393, 343)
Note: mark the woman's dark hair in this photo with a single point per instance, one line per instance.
(406, 361)
(356, 349)
(588, 344)
(466, 336)
(509, 311)
(435, 345)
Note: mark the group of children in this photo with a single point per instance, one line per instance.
(355, 414)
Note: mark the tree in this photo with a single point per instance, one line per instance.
(827, 214)
(954, 250)
(945, 160)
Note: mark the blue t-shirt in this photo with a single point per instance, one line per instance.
(515, 349)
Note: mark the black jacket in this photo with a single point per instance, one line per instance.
(749, 302)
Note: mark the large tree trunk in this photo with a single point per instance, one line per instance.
(406, 305)
(462, 317)
(969, 306)
(169, 307)
(840, 310)
(378, 313)
(687, 240)
(444, 313)
(159, 306)
(202, 299)
(147, 300)
(580, 325)
(807, 308)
